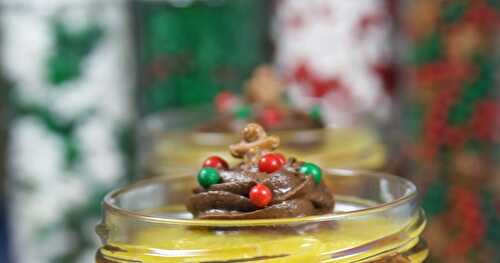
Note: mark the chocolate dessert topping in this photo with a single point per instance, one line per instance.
(263, 102)
(263, 185)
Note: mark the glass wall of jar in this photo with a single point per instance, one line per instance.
(450, 114)
(68, 65)
(376, 219)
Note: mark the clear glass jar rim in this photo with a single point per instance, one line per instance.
(409, 196)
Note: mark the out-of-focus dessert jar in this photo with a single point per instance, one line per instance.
(170, 144)
(376, 219)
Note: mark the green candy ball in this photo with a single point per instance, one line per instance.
(315, 113)
(243, 112)
(208, 176)
(313, 170)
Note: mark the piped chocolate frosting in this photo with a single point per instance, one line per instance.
(284, 188)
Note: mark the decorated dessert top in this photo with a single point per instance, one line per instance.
(263, 103)
(263, 185)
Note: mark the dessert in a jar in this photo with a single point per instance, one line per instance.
(302, 132)
(263, 207)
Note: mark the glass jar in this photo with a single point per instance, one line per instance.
(376, 218)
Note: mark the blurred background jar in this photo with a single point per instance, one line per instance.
(449, 118)
(68, 67)
(332, 57)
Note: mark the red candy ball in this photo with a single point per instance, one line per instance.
(270, 163)
(216, 162)
(260, 195)
(281, 158)
(224, 101)
(271, 116)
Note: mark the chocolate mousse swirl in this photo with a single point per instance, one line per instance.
(294, 193)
